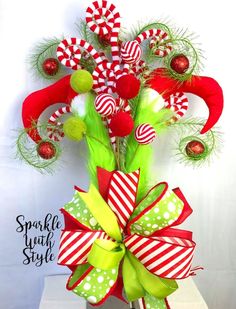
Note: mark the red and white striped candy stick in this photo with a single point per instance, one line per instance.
(69, 54)
(56, 134)
(138, 68)
(103, 18)
(159, 41)
(177, 102)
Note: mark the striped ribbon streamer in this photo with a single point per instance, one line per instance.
(75, 246)
(166, 257)
(122, 195)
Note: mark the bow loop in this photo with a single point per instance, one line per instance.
(150, 254)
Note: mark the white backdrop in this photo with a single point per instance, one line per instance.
(210, 190)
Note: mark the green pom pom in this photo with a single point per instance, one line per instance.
(81, 81)
(74, 129)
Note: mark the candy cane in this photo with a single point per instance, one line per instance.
(177, 102)
(138, 68)
(69, 54)
(54, 133)
(102, 19)
(104, 78)
(158, 37)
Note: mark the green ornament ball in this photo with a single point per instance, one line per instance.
(81, 81)
(74, 129)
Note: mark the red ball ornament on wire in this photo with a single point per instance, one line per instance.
(105, 104)
(46, 150)
(105, 40)
(127, 86)
(145, 134)
(121, 124)
(50, 66)
(179, 63)
(195, 148)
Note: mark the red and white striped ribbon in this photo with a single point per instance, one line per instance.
(69, 54)
(122, 195)
(54, 132)
(159, 41)
(76, 245)
(178, 103)
(167, 257)
(103, 18)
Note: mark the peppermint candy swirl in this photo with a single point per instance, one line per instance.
(104, 78)
(159, 43)
(105, 104)
(69, 54)
(103, 18)
(131, 52)
(145, 134)
(178, 103)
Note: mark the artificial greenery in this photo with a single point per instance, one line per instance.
(100, 151)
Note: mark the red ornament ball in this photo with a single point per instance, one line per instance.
(46, 150)
(50, 66)
(195, 148)
(179, 63)
(105, 40)
(127, 86)
(121, 124)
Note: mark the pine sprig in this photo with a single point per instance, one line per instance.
(41, 51)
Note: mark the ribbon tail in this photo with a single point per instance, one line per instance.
(133, 288)
(152, 284)
(153, 302)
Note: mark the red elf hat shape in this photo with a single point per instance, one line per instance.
(36, 103)
(205, 87)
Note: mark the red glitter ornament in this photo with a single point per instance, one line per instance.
(127, 86)
(46, 150)
(195, 148)
(50, 66)
(121, 124)
(105, 40)
(179, 63)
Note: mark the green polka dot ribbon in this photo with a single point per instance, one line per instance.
(100, 251)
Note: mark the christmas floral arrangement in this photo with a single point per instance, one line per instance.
(120, 237)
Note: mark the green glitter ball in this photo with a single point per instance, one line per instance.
(81, 81)
(74, 129)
